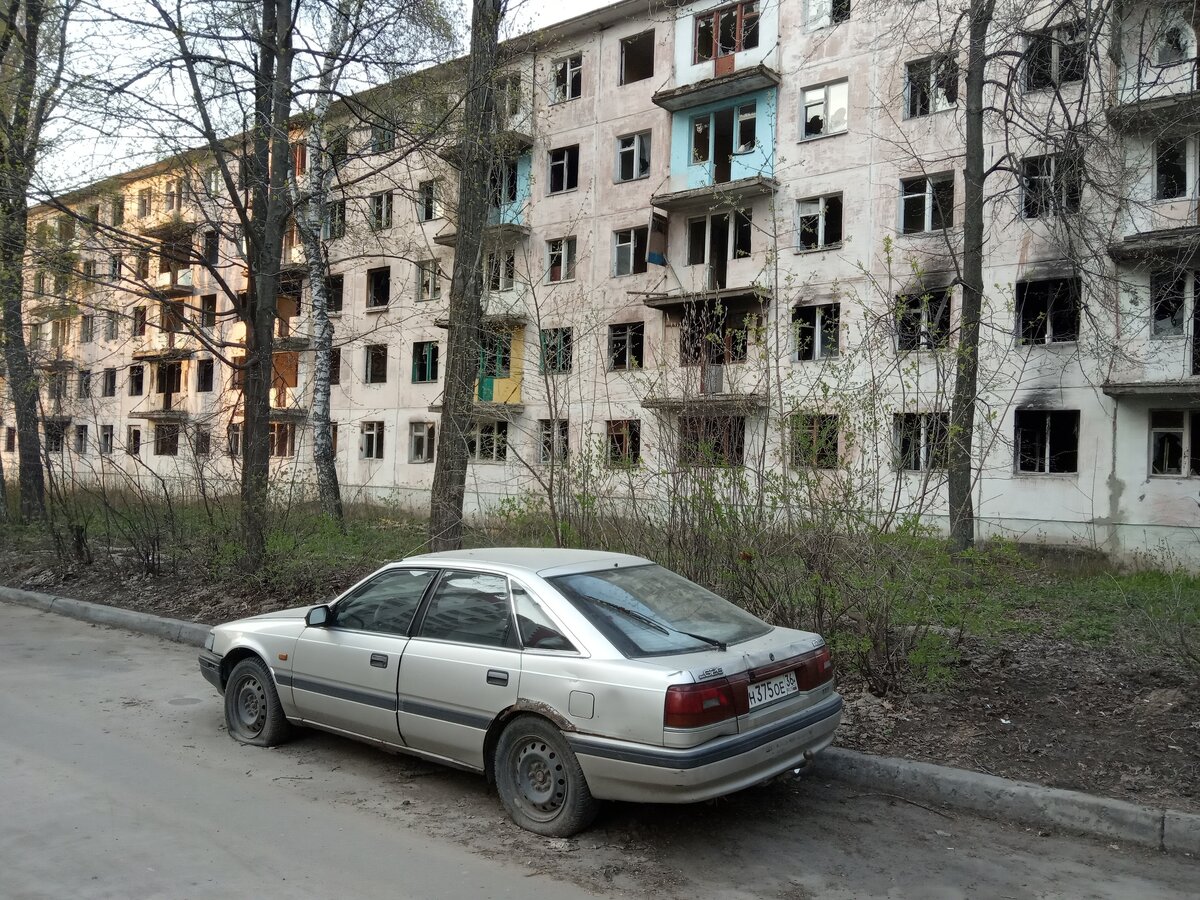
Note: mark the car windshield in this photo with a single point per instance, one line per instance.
(651, 611)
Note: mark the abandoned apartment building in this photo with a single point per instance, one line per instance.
(685, 266)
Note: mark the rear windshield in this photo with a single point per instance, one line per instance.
(651, 611)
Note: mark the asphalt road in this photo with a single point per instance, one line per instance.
(118, 780)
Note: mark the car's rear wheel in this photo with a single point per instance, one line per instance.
(540, 781)
(253, 712)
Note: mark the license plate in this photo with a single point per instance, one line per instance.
(763, 692)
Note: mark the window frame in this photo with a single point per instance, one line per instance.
(932, 86)
(930, 457)
(816, 425)
(497, 436)
(716, 50)
(568, 78)
(822, 217)
(425, 362)
(567, 251)
(805, 105)
(641, 147)
(929, 195)
(1046, 440)
(565, 162)
(371, 442)
(627, 240)
(557, 346)
(427, 431)
(624, 334)
(375, 364)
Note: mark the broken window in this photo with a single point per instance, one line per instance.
(205, 375)
(166, 439)
(144, 202)
(713, 336)
(743, 231)
(118, 211)
(108, 383)
(142, 264)
(10, 439)
(712, 440)
(381, 210)
(335, 286)
(208, 311)
(817, 330)
(334, 226)
(107, 439)
(701, 138)
(376, 371)
(233, 438)
(1050, 185)
(557, 349)
(927, 203)
(561, 261)
(1172, 47)
(633, 156)
(429, 280)
(1167, 291)
(629, 253)
(495, 354)
(501, 270)
(371, 440)
(564, 169)
(379, 287)
(281, 439)
(55, 436)
(427, 202)
(1048, 310)
(555, 440)
(637, 57)
(383, 138)
(568, 78)
(425, 362)
(727, 30)
(814, 441)
(1175, 442)
(921, 441)
(335, 365)
(421, 442)
(826, 109)
(172, 195)
(923, 320)
(723, 133)
(823, 13)
(137, 375)
(931, 85)
(57, 386)
(488, 442)
(169, 378)
(1055, 56)
(624, 442)
(819, 222)
(133, 440)
(1046, 441)
(503, 183)
(1170, 168)
(625, 345)
(202, 441)
(508, 95)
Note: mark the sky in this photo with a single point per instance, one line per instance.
(547, 12)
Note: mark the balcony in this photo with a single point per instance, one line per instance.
(1169, 99)
(751, 296)
(724, 194)
(174, 282)
(715, 90)
(158, 344)
(1180, 246)
(710, 387)
(513, 138)
(1175, 392)
(161, 407)
(287, 403)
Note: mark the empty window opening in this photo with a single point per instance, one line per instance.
(421, 442)
(630, 248)
(1050, 185)
(427, 204)
(927, 203)
(1167, 306)
(502, 181)
(814, 441)
(555, 440)
(931, 85)
(712, 440)
(626, 344)
(568, 78)
(166, 439)
(335, 286)
(624, 442)
(558, 347)
(564, 169)
(1046, 441)
(633, 156)
(205, 370)
(921, 441)
(379, 287)
(637, 57)
(714, 336)
(502, 270)
(425, 362)
(923, 320)
(1048, 311)
(817, 331)
(1175, 442)
(1056, 56)
(376, 372)
(1170, 169)
(429, 280)
(1172, 47)
(726, 31)
(488, 442)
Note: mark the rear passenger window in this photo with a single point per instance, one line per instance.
(385, 604)
(537, 631)
(470, 608)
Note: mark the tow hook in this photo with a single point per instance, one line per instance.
(806, 766)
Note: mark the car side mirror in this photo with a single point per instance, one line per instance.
(318, 617)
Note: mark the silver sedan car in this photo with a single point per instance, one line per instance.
(566, 676)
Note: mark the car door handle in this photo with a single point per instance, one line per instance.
(379, 660)
(498, 677)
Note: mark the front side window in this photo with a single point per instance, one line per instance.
(1056, 56)
(624, 442)
(166, 439)
(557, 350)
(501, 270)
(386, 604)
(470, 608)
(555, 440)
(826, 110)
(381, 210)
(371, 440)
(281, 439)
(923, 321)
(561, 263)
(421, 442)
(564, 169)
(488, 442)
(637, 57)
(629, 250)
(726, 31)
(1175, 442)
(819, 222)
(823, 13)
(1170, 169)
(1050, 185)
(376, 372)
(712, 440)
(650, 611)
(429, 281)
(1046, 441)
(379, 287)
(927, 203)
(922, 441)
(931, 85)
(427, 201)
(1048, 311)
(495, 354)
(817, 331)
(626, 345)
(425, 362)
(633, 156)
(334, 226)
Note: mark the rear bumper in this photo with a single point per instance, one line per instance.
(619, 770)
(210, 668)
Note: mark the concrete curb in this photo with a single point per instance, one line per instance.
(998, 798)
(177, 630)
(1020, 801)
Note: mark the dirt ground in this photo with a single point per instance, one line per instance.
(1105, 721)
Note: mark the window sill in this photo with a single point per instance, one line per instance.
(1167, 337)
(822, 137)
(645, 177)
(561, 281)
(563, 193)
(820, 359)
(1039, 475)
(926, 235)
(930, 115)
(372, 310)
(1033, 345)
(806, 251)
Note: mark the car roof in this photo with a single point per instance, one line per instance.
(542, 560)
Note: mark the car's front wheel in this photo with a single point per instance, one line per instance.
(539, 779)
(253, 712)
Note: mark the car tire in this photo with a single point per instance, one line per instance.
(253, 713)
(540, 781)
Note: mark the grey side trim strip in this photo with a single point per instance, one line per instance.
(340, 691)
(706, 754)
(444, 714)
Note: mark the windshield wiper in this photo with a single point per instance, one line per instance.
(660, 627)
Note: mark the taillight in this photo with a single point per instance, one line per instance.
(815, 670)
(695, 705)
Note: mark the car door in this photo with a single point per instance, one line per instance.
(461, 666)
(344, 674)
